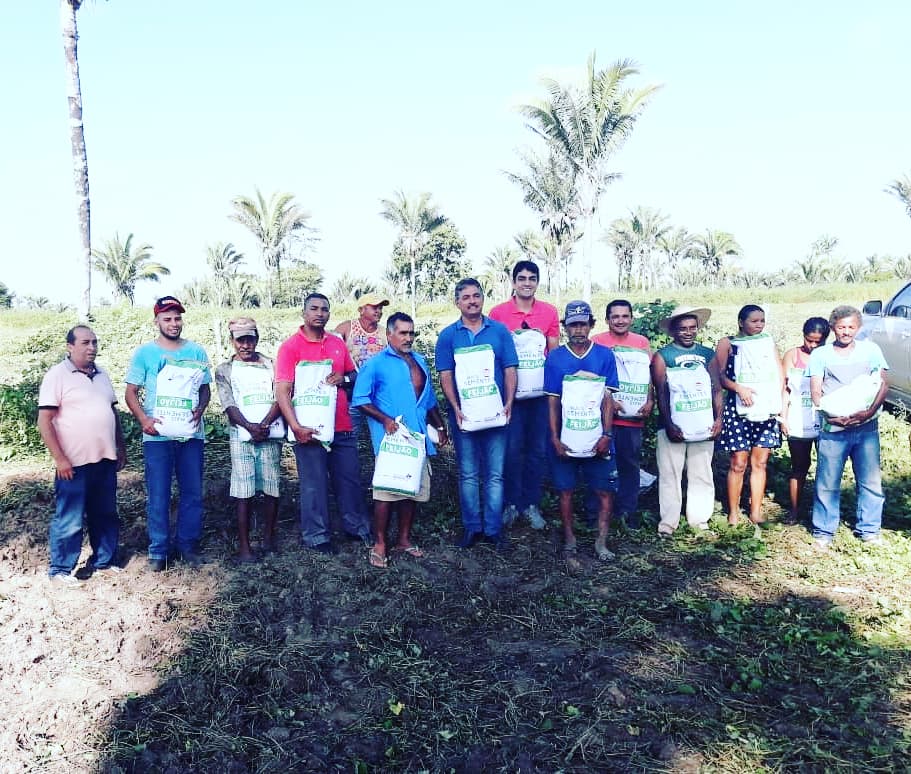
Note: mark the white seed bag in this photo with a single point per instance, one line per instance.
(855, 396)
(802, 417)
(690, 390)
(633, 373)
(400, 462)
(479, 398)
(530, 346)
(314, 400)
(581, 406)
(254, 391)
(756, 365)
(177, 396)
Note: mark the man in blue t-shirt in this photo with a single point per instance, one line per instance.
(845, 364)
(164, 456)
(581, 357)
(481, 453)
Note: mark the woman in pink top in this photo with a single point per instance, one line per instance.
(800, 440)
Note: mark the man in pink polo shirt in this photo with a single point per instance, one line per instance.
(316, 463)
(81, 429)
(632, 404)
(527, 438)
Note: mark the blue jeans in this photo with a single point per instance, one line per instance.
(861, 444)
(164, 460)
(92, 492)
(315, 468)
(481, 456)
(526, 448)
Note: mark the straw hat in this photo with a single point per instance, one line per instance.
(699, 312)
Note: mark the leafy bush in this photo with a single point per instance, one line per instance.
(19, 417)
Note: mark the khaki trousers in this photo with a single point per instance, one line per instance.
(673, 458)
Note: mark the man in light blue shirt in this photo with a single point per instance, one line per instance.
(395, 383)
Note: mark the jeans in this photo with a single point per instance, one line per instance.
(627, 453)
(164, 459)
(481, 456)
(526, 449)
(315, 468)
(861, 444)
(92, 492)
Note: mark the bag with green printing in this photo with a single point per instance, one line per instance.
(581, 401)
(400, 461)
(177, 396)
(634, 376)
(479, 397)
(530, 347)
(254, 392)
(690, 389)
(314, 400)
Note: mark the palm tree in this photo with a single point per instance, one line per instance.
(586, 126)
(900, 188)
(68, 10)
(223, 261)
(275, 224)
(497, 274)
(677, 246)
(622, 238)
(123, 265)
(349, 287)
(549, 189)
(712, 248)
(416, 219)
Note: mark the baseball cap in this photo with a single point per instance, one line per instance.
(372, 299)
(166, 303)
(577, 311)
(242, 326)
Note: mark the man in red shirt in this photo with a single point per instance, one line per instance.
(527, 440)
(316, 462)
(632, 404)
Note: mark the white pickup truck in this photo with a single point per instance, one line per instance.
(890, 327)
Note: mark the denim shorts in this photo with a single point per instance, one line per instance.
(600, 474)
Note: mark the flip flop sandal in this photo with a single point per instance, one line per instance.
(413, 551)
(378, 561)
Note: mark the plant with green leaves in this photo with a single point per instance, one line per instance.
(279, 225)
(586, 126)
(900, 188)
(712, 248)
(124, 264)
(436, 267)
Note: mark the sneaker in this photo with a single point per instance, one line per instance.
(821, 543)
(158, 565)
(510, 514)
(873, 540)
(107, 572)
(64, 581)
(535, 517)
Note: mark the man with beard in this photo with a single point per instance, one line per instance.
(396, 384)
(81, 429)
(317, 464)
(164, 455)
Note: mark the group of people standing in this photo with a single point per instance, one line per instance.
(520, 407)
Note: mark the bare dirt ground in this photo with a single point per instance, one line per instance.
(741, 653)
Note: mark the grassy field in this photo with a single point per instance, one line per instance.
(746, 652)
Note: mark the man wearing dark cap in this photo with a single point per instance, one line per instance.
(582, 363)
(179, 366)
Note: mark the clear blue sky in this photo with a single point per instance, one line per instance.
(778, 122)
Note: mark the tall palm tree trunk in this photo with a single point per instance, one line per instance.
(68, 10)
(414, 307)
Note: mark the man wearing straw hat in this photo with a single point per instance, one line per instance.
(688, 447)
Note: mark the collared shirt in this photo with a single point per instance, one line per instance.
(298, 349)
(456, 336)
(385, 382)
(542, 317)
(85, 422)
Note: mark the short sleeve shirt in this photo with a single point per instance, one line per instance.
(542, 317)
(633, 341)
(838, 371)
(564, 362)
(147, 362)
(85, 421)
(298, 349)
(385, 382)
(456, 336)
(675, 356)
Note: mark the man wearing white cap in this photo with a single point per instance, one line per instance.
(688, 422)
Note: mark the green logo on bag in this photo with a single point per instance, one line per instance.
(481, 391)
(582, 424)
(256, 399)
(400, 448)
(631, 388)
(699, 404)
(163, 401)
(311, 399)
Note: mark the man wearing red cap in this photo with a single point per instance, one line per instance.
(170, 446)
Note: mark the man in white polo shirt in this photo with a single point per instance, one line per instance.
(81, 429)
